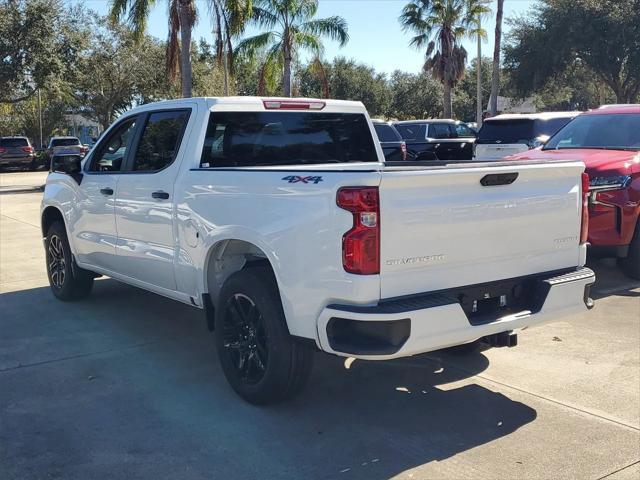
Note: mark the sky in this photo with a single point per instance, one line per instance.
(376, 37)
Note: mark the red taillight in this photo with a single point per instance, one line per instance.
(3, 150)
(292, 105)
(27, 149)
(403, 149)
(361, 244)
(584, 226)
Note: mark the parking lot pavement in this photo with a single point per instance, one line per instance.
(16, 181)
(127, 385)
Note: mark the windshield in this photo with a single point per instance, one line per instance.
(239, 139)
(386, 133)
(14, 142)
(615, 132)
(64, 142)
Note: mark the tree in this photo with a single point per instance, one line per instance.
(182, 18)
(230, 17)
(576, 88)
(414, 96)
(22, 118)
(296, 30)
(603, 35)
(347, 80)
(495, 75)
(38, 44)
(117, 70)
(465, 93)
(441, 25)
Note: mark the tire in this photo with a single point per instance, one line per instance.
(465, 348)
(68, 282)
(262, 362)
(630, 265)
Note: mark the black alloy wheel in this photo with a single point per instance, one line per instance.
(56, 261)
(245, 338)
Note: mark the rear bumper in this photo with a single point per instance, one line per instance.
(422, 323)
(20, 160)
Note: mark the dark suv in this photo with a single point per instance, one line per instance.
(437, 139)
(512, 133)
(17, 152)
(393, 147)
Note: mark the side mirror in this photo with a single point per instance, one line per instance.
(68, 164)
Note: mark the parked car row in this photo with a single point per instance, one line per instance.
(17, 152)
(442, 139)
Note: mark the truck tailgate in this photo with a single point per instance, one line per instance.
(442, 228)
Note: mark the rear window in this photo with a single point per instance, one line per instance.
(506, 131)
(386, 133)
(64, 142)
(13, 142)
(239, 139)
(551, 126)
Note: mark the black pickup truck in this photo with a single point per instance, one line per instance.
(437, 139)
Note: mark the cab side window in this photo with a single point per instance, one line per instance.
(160, 140)
(463, 131)
(440, 130)
(113, 150)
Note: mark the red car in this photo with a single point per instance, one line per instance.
(607, 140)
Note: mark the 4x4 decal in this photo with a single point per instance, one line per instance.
(298, 179)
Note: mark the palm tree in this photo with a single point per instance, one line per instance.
(230, 17)
(495, 75)
(182, 18)
(292, 27)
(441, 25)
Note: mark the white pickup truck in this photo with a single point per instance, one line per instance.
(281, 220)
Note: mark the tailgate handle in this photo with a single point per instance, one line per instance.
(494, 179)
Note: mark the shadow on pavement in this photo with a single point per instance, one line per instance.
(129, 381)
(610, 281)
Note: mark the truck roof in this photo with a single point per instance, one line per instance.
(532, 116)
(248, 103)
(620, 108)
(428, 120)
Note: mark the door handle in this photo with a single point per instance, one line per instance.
(106, 191)
(160, 195)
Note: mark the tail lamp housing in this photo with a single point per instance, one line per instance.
(27, 149)
(584, 225)
(361, 244)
